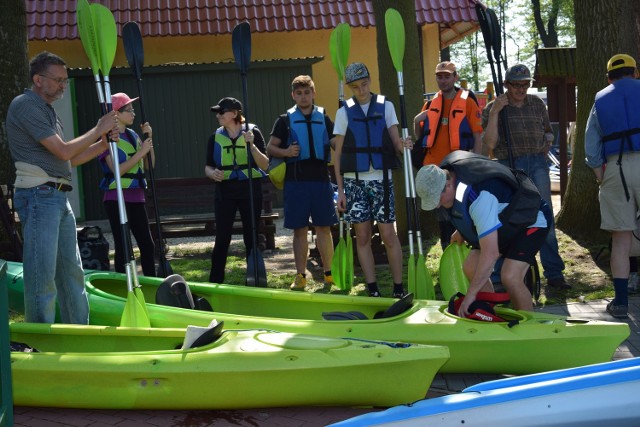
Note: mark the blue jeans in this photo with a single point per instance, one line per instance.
(535, 166)
(51, 259)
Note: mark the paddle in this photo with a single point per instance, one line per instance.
(339, 46)
(134, 51)
(241, 44)
(491, 34)
(452, 277)
(419, 280)
(97, 26)
(88, 37)
(348, 270)
(339, 259)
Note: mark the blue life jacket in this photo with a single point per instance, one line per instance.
(617, 108)
(134, 178)
(299, 126)
(231, 156)
(367, 141)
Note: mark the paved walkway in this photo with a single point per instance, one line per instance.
(300, 417)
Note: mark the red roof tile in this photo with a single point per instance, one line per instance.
(57, 20)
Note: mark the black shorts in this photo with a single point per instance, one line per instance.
(526, 243)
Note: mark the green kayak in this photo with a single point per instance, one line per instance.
(528, 342)
(111, 367)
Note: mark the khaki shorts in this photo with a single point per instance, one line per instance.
(617, 213)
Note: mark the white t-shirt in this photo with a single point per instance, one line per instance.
(340, 128)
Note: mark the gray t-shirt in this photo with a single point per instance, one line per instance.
(29, 120)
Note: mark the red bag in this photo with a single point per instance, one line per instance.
(482, 307)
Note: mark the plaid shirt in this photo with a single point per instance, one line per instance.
(527, 126)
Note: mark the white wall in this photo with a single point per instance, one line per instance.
(64, 109)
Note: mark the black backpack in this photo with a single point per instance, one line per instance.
(472, 168)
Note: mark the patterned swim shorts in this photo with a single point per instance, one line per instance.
(365, 201)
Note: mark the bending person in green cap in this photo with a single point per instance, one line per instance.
(478, 195)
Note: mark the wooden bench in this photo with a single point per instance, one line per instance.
(186, 207)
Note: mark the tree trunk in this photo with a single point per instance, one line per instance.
(603, 28)
(549, 36)
(14, 70)
(412, 77)
(13, 79)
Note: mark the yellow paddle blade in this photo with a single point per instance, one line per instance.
(424, 282)
(452, 278)
(134, 314)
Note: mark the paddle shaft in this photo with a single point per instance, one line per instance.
(241, 43)
(488, 28)
(132, 40)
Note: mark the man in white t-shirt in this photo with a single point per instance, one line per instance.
(367, 143)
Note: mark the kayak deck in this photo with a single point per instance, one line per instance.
(528, 342)
(124, 368)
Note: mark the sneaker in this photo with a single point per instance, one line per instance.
(558, 283)
(617, 311)
(633, 283)
(299, 283)
(375, 294)
(328, 280)
(399, 293)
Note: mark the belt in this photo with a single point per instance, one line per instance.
(58, 186)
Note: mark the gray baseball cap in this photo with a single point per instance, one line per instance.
(430, 182)
(355, 71)
(518, 72)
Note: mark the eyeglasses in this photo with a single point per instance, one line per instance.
(60, 81)
(520, 85)
(221, 112)
(130, 110)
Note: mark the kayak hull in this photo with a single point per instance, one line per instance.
(136, 368)
(530, 342)
(595, 395)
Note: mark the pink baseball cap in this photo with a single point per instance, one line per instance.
(119, 100)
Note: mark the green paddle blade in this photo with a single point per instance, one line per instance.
(348, 269)
(452, 278)
(140, 297)
(411, 275)
(424, 282)
(87, 32)
(339, 46)
(395, 37)
(338, 265)
(134, 314)
(107, 36)
(333, 51)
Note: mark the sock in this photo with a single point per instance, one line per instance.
(622, 294)
(397, 288)
(373, 288)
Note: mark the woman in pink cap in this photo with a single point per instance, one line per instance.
(132, 157)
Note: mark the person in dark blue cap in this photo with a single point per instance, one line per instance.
(367, 144)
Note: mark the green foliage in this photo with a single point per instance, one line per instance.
(520, 37)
